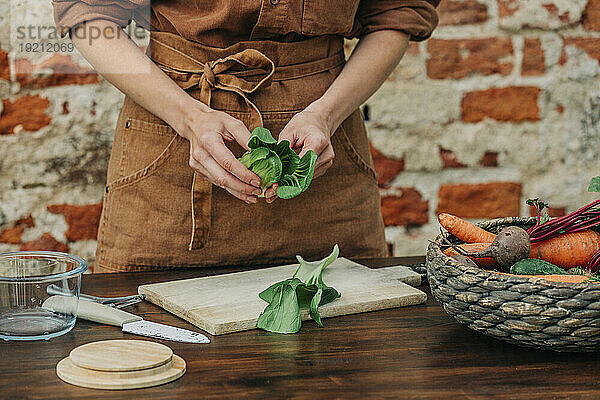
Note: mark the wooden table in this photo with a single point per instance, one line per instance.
(417, 352)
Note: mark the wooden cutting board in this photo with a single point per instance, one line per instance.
(230, 303)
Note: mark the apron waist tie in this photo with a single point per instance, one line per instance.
(210, 75)
(213, 75)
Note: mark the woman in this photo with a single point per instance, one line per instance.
(176, 194)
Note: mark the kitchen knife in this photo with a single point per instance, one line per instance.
(130, 323)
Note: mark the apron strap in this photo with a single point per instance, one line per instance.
(208, 76)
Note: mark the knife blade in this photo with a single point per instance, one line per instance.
(129, 323)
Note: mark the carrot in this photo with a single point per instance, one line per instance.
(555, 278)
(562, 278)
(464, 230)
(471, 248)
(568, 250)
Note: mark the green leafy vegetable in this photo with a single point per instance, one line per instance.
(253, 155)
(594, 185)
(289, 158)
(539, 205)
(261, 137)
(282, 315)
(578, 271)
(269, 170)
(291, 185)
(277, 163)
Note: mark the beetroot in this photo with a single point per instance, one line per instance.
(510, 245)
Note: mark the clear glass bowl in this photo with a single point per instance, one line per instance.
(24, 279)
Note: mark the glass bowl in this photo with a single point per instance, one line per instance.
(24, 280)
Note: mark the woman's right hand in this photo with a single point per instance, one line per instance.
(207, 130)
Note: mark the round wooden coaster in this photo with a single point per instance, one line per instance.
(121, 355)
(94, 379)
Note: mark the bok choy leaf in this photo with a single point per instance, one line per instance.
(282, 315)
(261, 137)
(278, 163)
(291, 185)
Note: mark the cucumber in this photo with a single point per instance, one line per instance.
(532, 266)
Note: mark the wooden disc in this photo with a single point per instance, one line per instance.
(94, 379)
(121, 355)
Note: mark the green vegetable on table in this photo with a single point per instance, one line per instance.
(304, 290)
(277, 163)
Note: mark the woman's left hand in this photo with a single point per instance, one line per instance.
(308, 130)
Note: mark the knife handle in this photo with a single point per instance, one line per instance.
(90, 310)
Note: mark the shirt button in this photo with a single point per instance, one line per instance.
(127, 124)
(274, 2)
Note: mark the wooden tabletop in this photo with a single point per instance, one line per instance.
(416, 352)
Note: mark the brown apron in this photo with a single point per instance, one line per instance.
(159, 214)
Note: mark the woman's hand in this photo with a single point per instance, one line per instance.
(309, 130)
(207, 130)
(306, 131)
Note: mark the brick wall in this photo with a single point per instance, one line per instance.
(502, 104)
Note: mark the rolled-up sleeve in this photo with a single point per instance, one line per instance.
(417, 18)
(70, 13)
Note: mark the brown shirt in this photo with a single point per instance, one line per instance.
(221, 23)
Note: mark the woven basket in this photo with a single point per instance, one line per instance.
(529, 312)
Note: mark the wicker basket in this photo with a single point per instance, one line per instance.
(529, 312)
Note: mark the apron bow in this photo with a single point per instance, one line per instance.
(217, 74)
(209, 76)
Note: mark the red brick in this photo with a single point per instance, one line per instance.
(407, 209)
(27, 111)
(449, 159)
(552, 211)
(533, 58)
(453, 12)
(12, 235)
(82, 220)
(590, 45)
(386, 168)
(65, 72)
(591, 16)
(461, 58)
(489, 159)
(562, 60)
(26, 221)
(514, 103)
(506, 8)
(486, 200)
(4, 66)
(46, 242)
(553, 9)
